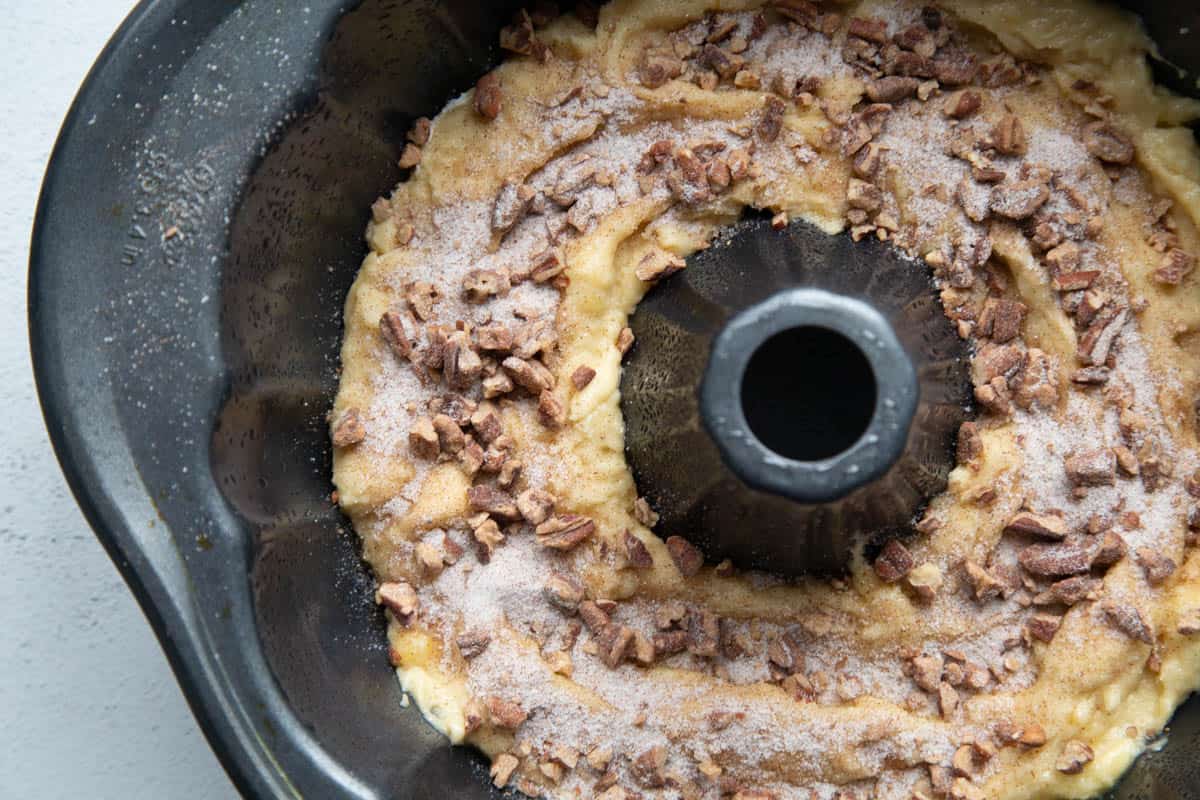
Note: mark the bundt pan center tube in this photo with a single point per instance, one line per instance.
(193, 433)
(816, 384)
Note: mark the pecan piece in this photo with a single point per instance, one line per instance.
(1043, 626)
(1157, 566)
(1074, 757)
(550, 411)
(564, 592)
(1069, 591)
(687, 557)
(704, 633)
(506, 714)
(472, 643)
(1017, 201)
(493, 501)
(348, 429)
(1128, 620)
(423, 439)
(892, 89)
(488, 96)
(635, 551)
(495, 337)
(546, 265)
(398, 332)
(582, 376)
(400, 598)
(970, 443)
(1176, 264)
(530, 375)
(511, 205)
(1060, 560)
(873, 30)
(658, 264)
(1111, 550)
(657, 68)
(535, 505)
(1008, 136)
(502, 769)
(771, 122)
(461, 365)
(984, 585)
(963, 104)
(1091, 468)
(1107, 144)
(1097, 342)
(1046, 526)
(894, 561)
(565, 531)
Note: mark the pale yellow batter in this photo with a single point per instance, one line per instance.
(1035, 633)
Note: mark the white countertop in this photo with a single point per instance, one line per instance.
(90, 707)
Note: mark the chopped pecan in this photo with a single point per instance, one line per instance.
(348, 429)
(410, 157)
(1019, 200)
(893, 562)
(720, 61)
(635, 551)
(511, 205)
(1107, 144)
(546, 265)
(489, 537)
(975, 199)
(947, 700)
(472, 643)
(1157, 566)
(1060, 560)
(1074, 757)
(565, 531)
(485, 421)
(955, 68)
(1043, 626)
(892, 89)
(497, 385)
(503, 768)
(564, 592)
(488, 96)
(1046, 526)
(670, 642)
(535, 505)
(659, 67)
(1111, 550)
(687, 557)
(529, 375)
(450, 436)
(1097, 342)
(863, 195)
(1176, 264)
(595, 618)
(1074, 281)
(1128, 620)
(1091, 468)
(995, 396)
(970, 443)
(494, 337)
(984, 585)
(461, 365)
(550, 411)
(771, 122)
(481, 285)
(1069, 591)
(421, 297)
(419, 133)
(869, 28)
(581, 377)
(704, 633)
(658, 264)
(398, 331)
(925, 580)
(927, 672)
(493, 501)
(400, 598)
(1001, 319)
(1008, 136)
(506, 714)
(963, 104)
(643, 513)
(625, 340)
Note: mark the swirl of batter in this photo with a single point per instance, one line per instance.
(1037, 628)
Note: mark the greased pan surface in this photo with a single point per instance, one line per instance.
(200, 223)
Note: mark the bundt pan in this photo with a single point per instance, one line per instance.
(199, 226)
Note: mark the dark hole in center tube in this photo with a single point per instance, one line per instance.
(808, 393)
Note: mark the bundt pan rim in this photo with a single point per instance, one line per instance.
(135, 144)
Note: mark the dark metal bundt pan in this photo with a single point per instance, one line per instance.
(185, 378)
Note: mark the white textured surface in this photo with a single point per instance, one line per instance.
(89, 707)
